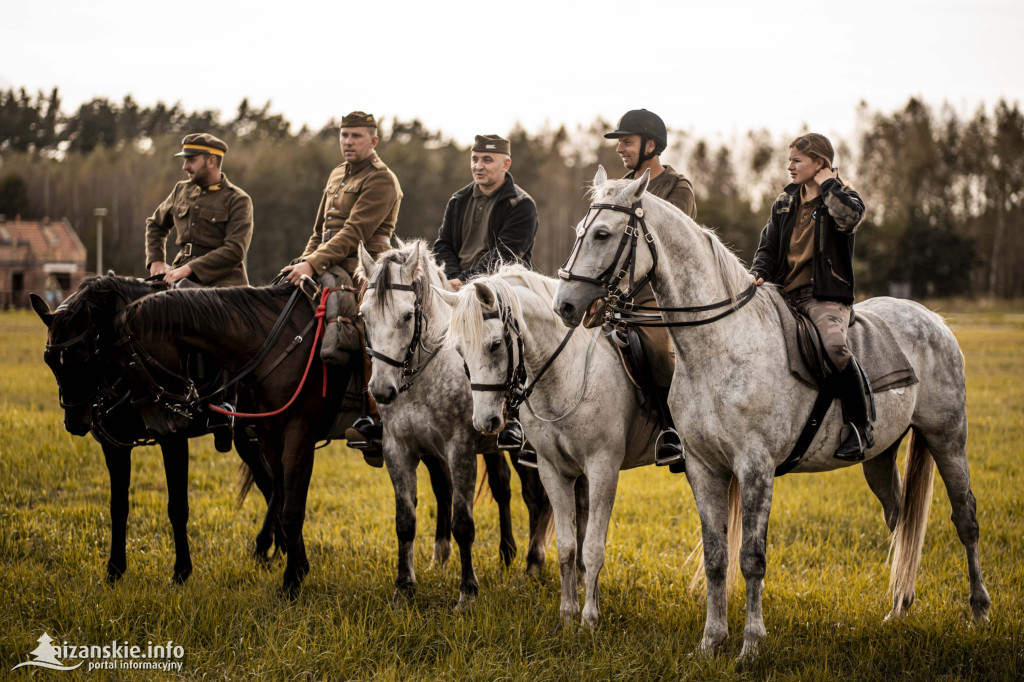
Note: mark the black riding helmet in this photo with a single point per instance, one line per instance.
(648, 125)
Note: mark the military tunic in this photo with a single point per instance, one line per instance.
(214, 228)
(359, 204)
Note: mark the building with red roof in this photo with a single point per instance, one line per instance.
(38, 256)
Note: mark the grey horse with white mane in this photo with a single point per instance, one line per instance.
(424, 400)
(581, 410)
(740, 410)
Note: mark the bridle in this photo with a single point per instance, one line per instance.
(515, 389)
(59, 348)
(409, 373)
(621, 311)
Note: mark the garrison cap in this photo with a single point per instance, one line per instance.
(642, 122)
(202, 143)
(358, 119)
(492, 143)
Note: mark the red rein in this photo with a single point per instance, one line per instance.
(321, 312)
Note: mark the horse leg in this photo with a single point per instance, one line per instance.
(463, 527)
(756, 485)
(582, 492)
(297, 468)
(175, 452)
(270, 447)
(249, 452)
(602, 493)
(499, 477)
(538, 507)
(401, 466)
(560, 489)
(950, 454)
(711, 495)
(441, 483)
(883, 477)
(119, 467)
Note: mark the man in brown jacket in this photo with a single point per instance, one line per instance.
(359, 204)
(212, 218)
(642, 137)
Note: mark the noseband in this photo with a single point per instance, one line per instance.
(409, 373)
(621, 311)
(59, 348)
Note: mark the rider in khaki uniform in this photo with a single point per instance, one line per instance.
(211, 216)
(642, 138)
(359, 204)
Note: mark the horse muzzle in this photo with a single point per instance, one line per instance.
(579, 302)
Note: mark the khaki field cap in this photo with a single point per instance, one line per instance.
(492, 143)
(202, 143)
(359, 119)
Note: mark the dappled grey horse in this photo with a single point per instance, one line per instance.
(423, 396)
(739, 409)
(582, 411)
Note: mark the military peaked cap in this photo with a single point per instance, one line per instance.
(202, 143)
(358, 119)
(492, 143)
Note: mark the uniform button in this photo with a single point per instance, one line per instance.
(335, 196)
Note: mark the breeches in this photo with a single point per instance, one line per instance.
(832, 319)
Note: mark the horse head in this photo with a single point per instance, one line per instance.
(610, 255)
(398, 311)
(485, 330)
(79, 334)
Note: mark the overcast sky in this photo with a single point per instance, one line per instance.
(716, 68)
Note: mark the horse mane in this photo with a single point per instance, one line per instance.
(212, 310)
(425, 274)
(467, 323)
(96, 296)
(734, 275)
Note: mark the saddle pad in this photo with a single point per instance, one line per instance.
(871, 342)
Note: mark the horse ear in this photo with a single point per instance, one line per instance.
(449, 297)
(366, 261)
(636, 188)
(111, 273)
(42, 310)
(601, 176)
(399, 244)
(411, 265)
(485, 295)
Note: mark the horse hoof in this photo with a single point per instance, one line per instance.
(114, 573)
(442, 550)
(590, 621)
(401, 600)
(179, 577)
(466, 602)
(533, 570)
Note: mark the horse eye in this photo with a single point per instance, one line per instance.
(600, 235)
(407, 317)
(493, 345)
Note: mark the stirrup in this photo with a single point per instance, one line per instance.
(366, 436)
(527, 456)
(668, 449)
(511, 437)
(222, 426)
(853, 448)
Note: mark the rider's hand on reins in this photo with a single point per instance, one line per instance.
(294, 273)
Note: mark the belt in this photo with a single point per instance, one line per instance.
(191, 250)
(374, 239)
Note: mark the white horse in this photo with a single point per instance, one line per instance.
(582, 412)
(739, 410)
(423, 396)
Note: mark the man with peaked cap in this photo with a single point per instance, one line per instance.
(359, 205)
(642, 138)
(212, 218)
(489, 221)
(486, 223)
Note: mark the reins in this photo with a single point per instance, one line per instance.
(621, 311)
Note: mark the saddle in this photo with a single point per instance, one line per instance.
(882, 363)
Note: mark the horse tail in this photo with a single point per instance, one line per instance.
(735, 534)
(911, 524)
(244, 483)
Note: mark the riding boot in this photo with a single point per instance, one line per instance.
(856, 410)
(669, 447)
(511, 439)
(222, 426)
(367, 433)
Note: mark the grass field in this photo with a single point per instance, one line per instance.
(824, 601)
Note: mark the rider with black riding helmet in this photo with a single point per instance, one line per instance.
(642, 138)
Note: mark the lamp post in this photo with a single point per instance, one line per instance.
(100, 213)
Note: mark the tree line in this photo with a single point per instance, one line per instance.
(944, 191)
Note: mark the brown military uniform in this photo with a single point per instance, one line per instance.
(359, 204)
(677, 190)
(214, 228)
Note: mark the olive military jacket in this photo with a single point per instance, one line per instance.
(360, 202)
(214, 228)
(673, 188)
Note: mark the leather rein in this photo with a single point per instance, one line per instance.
(621, 311)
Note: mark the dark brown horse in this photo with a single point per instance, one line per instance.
(231, 326)
(80, 335)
